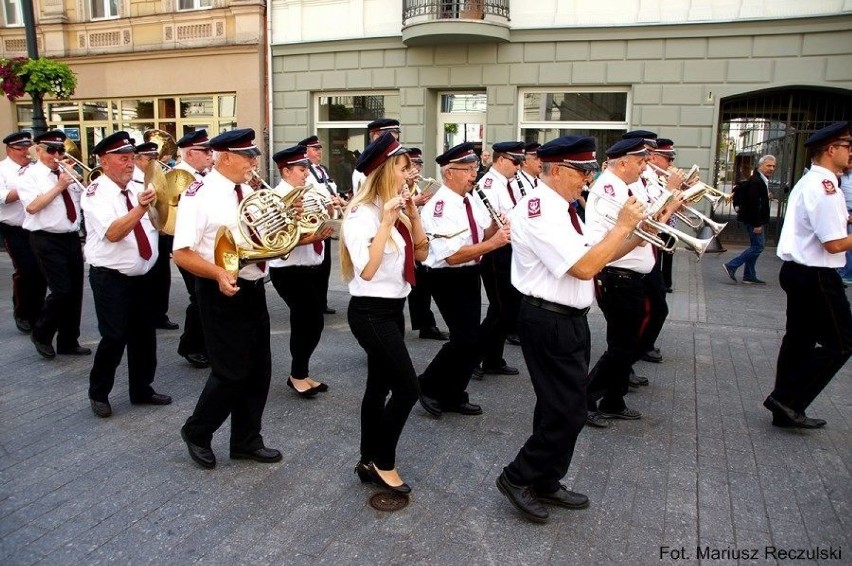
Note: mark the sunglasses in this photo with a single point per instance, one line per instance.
(54, 150)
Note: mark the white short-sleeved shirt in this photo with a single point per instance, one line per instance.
(318, 177)
(11, 213)
(38, 180)
(301, 255)
(523, 180)
(137, 181)
(360, 226)
(358, 180)
(187, 167)
(104, 203)
(446, 215)
(610, 187)
(206, 206)
(816, 213)
(496, 188)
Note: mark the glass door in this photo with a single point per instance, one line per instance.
(461, 118)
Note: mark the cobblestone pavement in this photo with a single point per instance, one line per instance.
(703, 469)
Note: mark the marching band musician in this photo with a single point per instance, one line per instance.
(196, 157)
(375, 129)
(553, 267)
(503, 299)
(298, 280)
(527, 177)
(381, 238)
(161, 274)
(621, 289)
(813, 243)
(28, 285)
(663, 156)
(233, 310)
(121, 248)
(322, 182)
(51, 199)
(420, 299)
(461, 231)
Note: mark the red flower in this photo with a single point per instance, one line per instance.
(11, 82)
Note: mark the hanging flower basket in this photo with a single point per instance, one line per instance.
(36, 77)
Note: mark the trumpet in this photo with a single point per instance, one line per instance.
(688, 215)
(72, 153)
(695, 188)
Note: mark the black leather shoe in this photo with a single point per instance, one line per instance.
(595, 419)
(74, 351)
(264, 455)
(202, 456)
(434, 334)
(634, 380)
(101, 408)
(477, 374)
(653, 356)
(199, 360)
(463, 409)
(307, 392)
(46, 350)
(432, 406)
(523, 499)
(154, 399)
(669, 290)
(624, 414)
(166, 324)
(403, 488)
(327, 310)
(784, 416)
(513, 340)
(502, 370)
(23, 325)
(564, 498)
(365, 474)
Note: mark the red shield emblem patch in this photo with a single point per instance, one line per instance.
(610, 190)
(439, 209)
(354, 208)
(91, 189)
(533, 208)
(193, 188)
(829, 187)
(488, 182)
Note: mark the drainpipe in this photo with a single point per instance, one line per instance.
(270, 128)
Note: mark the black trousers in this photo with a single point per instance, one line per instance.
(556, 350)
(161, 278)
(665, 262)
(192, 340)
(456, 292)
(125, 318)
(28, 284)
(621, 297)
(237, 333)
(300, 288)
(818, 340)
(656, 310)
(326, 271)
(420, 301)
(504, 300)
(379, 326)
(60, 258)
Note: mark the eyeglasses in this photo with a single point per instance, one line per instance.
(846, 145)
(467, 170)
(206, 150)
(54, 150)
(514, 160)
(315, 146)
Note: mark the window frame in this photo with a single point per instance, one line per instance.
(195, 7)
(104, 3)
(574, 124)
(353, 124)
(19, 13)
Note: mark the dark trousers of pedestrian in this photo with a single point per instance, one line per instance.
(192, 341)
(622, 301)
(556, 348)
(748, 258)
(237, 333)
(28, 284)
(379, 326)
(456, 292)
(503, 303)
(656, 311)
(161, 278)
(60, 257)
(420, 301)
(125, 319)
(326, 271)
(665, 261)
(300, 288)
(818, 340)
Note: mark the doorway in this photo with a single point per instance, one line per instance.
(461, 118)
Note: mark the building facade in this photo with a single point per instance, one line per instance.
(173, 65)
(702, 72)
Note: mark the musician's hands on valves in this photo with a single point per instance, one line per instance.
(631, 214)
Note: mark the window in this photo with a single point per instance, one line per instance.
(12, 12)
(341, 125)
(103, 9)
(601, 113)
(194, 4)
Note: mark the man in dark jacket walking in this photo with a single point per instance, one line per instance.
(754, 213)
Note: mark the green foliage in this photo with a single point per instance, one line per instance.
(39, 77)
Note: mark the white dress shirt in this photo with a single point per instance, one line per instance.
(38, 180)
(446, 215)
(11, 213)
(496, 188)
(301, 255)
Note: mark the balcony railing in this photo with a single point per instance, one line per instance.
(453, 9)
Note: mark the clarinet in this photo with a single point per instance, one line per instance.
(520, 185)
(494, 216)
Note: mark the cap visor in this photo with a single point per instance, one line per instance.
(253, 152)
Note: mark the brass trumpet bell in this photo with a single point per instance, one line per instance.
(73, 150)
(168, 188)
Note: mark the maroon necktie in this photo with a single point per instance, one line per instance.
(474, 231)
(575, 220)
(408, 270)
(70, 211)
(511, 195)
(239, 190)
(142, 243)
(318, 247)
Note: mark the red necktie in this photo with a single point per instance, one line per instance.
(511, 195)
(318, 247)
(239, 190)
(408, 270)
(142, 243)
(474, 229)
(70, 211)
(575, 220)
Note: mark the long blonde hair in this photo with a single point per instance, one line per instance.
(379, 187)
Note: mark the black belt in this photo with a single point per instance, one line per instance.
(621, 272)
(73, 233)
(555, 307)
